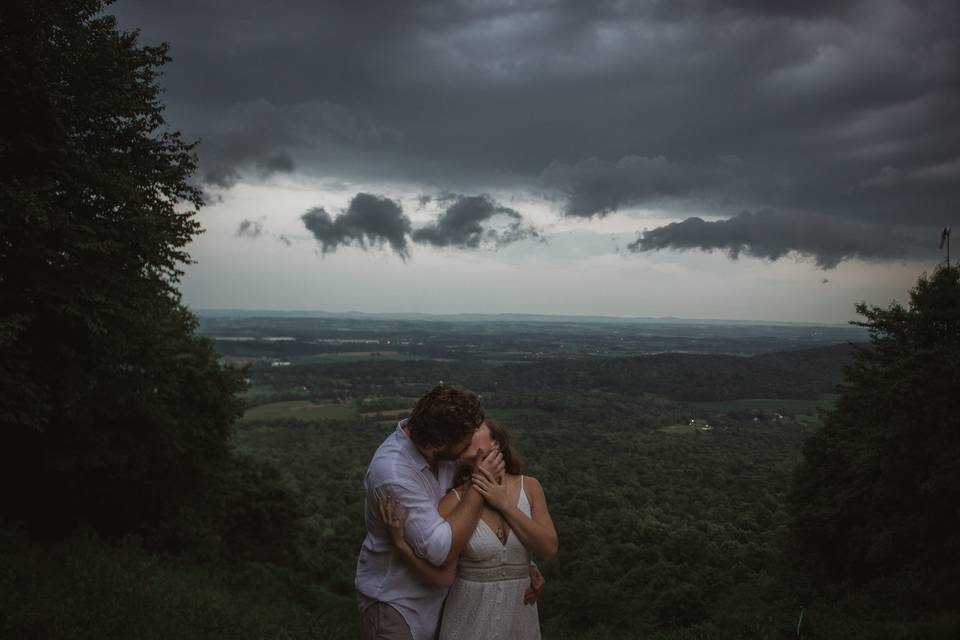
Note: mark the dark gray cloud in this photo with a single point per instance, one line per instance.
(249, 228)
(840, 109)
(369, 220)
(258, 138)
(254, 229)
(771, 235)
(470, 222)
(594, 187)
(423, 200)
(808, 10)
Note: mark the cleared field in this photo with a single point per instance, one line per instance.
(262, 391)
(505, 415)
(694, 426)
(259, 391)
(301, 410)
(386, 413)
(788, 406)
(353, 356)
(240, 360)
(507, 356)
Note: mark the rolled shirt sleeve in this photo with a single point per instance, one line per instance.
(426, 531)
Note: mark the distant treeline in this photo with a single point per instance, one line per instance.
(510, 341)
(805, 373)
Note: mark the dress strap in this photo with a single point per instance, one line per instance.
(522, 498)
(457, 493)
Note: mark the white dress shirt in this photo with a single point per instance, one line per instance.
(399, 470)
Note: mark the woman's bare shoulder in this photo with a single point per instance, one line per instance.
(532, 484)
(450, 501)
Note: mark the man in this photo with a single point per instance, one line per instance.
(416, 465)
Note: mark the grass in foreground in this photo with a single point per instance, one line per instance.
(86, 588)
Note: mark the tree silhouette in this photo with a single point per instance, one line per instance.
(110, 408)
(878, 492)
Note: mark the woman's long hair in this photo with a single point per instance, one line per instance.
(511, 458)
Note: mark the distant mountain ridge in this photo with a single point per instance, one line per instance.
(495, 317)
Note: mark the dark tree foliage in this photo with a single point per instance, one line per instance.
(878, 494)
(111, 410)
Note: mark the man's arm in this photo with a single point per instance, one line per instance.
(394, 516)
(427, 533)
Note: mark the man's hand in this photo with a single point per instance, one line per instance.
(536, 585)
(492, 462)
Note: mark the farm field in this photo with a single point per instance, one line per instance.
(507, 415)
(693, 426)
(258, 393)
(782, 405)
(300, 410)
(355, 356)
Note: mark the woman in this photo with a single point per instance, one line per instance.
(493, 572)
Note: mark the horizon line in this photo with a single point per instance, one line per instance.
(501, 317)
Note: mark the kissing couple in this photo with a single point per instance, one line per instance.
(452, 526)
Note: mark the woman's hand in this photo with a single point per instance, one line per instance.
(495, 493)
(492, 461)
(394, 515)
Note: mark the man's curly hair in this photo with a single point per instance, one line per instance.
(444, 416)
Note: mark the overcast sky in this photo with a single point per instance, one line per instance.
(742, 159)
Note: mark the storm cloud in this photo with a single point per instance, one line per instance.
(821, 111)
(594, 187)
(258, 138)
(249, 228)
(369, 220)
(469, 222)
(772, 236)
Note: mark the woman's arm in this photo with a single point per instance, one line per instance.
(463, 516)
(394, 516)
(535, 531)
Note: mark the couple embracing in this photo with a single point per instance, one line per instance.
(452, 526)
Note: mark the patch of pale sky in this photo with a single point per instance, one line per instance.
(583, 269)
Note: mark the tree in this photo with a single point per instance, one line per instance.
(878, 491)
(111, 410)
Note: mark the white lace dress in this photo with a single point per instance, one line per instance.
(486, 600)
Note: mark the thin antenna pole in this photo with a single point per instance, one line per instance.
(945, 236)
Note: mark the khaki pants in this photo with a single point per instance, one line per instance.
(380, 621)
